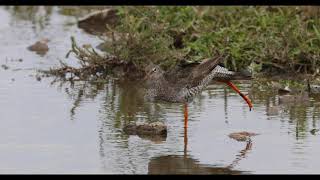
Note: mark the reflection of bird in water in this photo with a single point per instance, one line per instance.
(184, 165)
(242, 154)
(182, 84)
(174, 164)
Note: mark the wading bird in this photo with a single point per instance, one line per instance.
(183, 83)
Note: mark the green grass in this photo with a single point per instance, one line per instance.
(280, 37)
(261, 39)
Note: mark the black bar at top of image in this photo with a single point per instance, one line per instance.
(159, 2)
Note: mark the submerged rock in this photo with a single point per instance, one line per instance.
(40, 47)
(95, 22)
(242, 136)
(155, 128)
(156, 131)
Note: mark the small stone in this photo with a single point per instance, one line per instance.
(155, 128)
(40, 47)
(156, 132)
(5, 67)
(242, 136)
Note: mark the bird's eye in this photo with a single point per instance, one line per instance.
(154, 69)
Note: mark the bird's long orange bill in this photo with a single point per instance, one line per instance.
(229, 83)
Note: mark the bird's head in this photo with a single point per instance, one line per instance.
(153, 72)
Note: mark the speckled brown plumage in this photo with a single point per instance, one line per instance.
(183, 83)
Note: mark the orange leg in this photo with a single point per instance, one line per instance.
(229, 83)
(185, 115)
(185, 141)
(185, 128)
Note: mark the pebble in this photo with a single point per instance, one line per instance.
(40, 47)
(242, 136)
(155, 128)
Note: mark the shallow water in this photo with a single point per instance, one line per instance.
(58, 128)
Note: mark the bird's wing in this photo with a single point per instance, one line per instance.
(202, 70)
(189, 75)
(179, 75)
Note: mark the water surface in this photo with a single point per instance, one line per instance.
(61, 128)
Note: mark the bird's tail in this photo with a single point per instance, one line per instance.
(223, 74)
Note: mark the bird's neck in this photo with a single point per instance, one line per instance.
(161, 83)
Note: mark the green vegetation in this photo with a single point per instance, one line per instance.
(263, 39)
(281, 37)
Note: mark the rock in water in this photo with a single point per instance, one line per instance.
(95, 22)
(155, 128)
(40, 47)
(242, 136)
(156, 131)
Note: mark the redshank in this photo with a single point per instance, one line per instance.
(182, 84)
